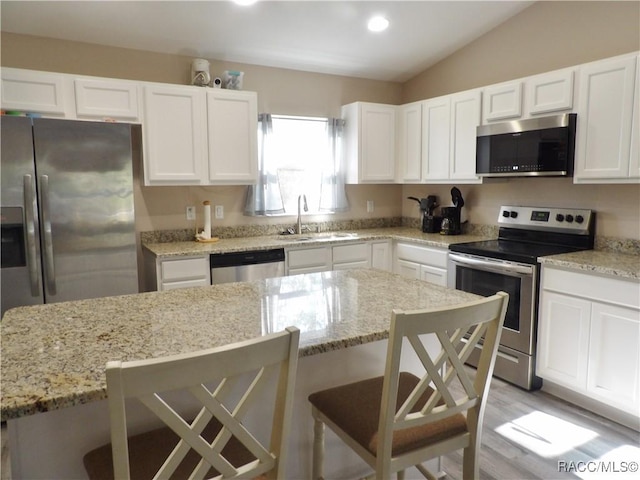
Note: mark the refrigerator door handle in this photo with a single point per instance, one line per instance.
(49, 268)
(30, 227)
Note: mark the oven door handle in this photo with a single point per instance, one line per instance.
(488, 265)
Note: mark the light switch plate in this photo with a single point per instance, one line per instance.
(219, 211)
(191, 213)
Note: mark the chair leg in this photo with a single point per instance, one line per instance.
(318, 450)
(470, 465)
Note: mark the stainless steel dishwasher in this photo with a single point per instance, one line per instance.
(246, 266)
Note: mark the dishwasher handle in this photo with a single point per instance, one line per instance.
(237, 259)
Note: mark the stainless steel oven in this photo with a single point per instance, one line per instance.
(510, 263)
(486, 276)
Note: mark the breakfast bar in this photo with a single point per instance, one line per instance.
(54, 356)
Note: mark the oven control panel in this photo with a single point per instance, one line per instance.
(569, 220)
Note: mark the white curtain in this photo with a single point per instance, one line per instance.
(265, 198)
(333, 197)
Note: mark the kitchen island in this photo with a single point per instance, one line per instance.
(54, 356)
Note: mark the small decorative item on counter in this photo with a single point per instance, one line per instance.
(232, 79)
(205, 235)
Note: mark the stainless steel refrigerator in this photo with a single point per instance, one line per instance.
(67, 216)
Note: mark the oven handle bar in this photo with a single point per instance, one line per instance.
(492, 265)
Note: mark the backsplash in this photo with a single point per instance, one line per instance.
(185, 235)
(629, 246)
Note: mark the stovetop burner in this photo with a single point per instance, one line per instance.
(527, 233)
(514, 251)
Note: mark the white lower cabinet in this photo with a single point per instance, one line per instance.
(589, 336)
(420, 262)
(381, 255)
(308, 260)
(354, 255)
(372, 254)
(181, 272)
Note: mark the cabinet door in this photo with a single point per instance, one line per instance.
(354, 253)
(550, 92)
(175, 142)
(634, 162)
(614, 355)
(436, 119)
(308, 260)
(605, 110)
(106, 99)
(500, 102)
(465, 118)
(381, 255)
(563, 339)
(233, 136)
(410, 142)
(377, 143)
(37, 92)
(407, 269)
(437, 276)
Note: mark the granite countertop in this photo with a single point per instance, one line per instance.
(54, 356)
(616, 264)
(243, 244)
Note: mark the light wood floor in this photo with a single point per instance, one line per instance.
(553, 431)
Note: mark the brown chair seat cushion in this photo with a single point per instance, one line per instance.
(149, 450)
(355, 408)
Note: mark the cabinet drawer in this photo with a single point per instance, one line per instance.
(424, 255)
(183, 269)
(309, 257)
(351, 253)
(202, 282)
(592, 286)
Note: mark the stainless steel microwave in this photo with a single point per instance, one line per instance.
(522, 148)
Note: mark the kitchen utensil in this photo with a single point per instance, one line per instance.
(430, 223)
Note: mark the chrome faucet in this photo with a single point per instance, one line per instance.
(306, 209)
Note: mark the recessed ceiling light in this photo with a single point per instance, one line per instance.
(245, 3)
(378, 23)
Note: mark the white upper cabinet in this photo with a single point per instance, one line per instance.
(232, 131)
(605, 121)
(437, 139)
(436, 128)
(175, 140)
(107, 99)
(409, 142)
(634, 161)
(34, 92)
(198, 136)
(502, 102)
(549, 93)
(369, 142)
(465, 118)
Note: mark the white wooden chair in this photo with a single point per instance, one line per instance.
(428, 418)
(215, 443)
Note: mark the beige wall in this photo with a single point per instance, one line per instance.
(544, 37)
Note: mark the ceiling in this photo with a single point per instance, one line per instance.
(317, 36)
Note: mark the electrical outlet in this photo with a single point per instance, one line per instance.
(369, 206)
(219, 212)
(191, 213)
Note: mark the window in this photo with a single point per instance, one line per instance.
(298, 156)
